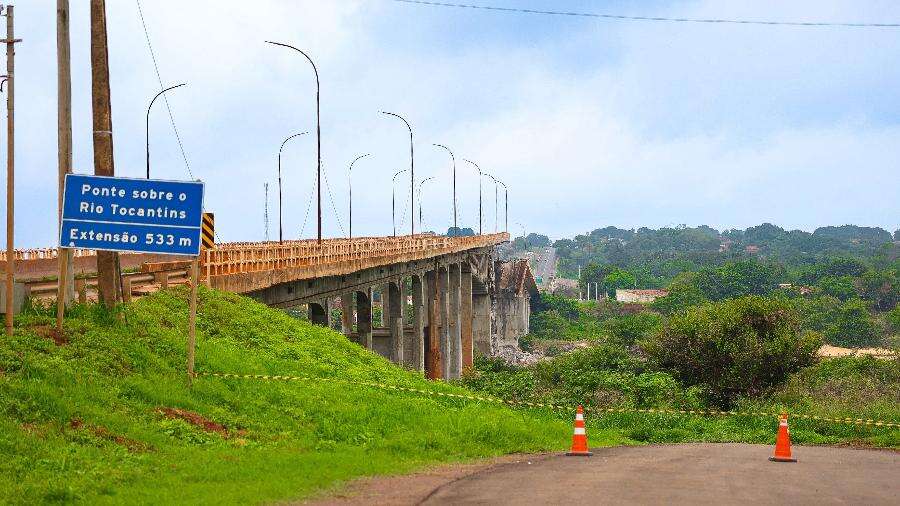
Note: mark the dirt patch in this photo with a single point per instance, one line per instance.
(51, 332)
(105, 434)
(836, 351)
(194, 419)
(413, 488)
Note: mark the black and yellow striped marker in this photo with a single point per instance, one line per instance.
(208, 240)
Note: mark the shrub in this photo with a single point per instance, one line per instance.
(893, 319)
(840, 288)
(683, 293)
(853, 326)
(732, 348)
(629, 328)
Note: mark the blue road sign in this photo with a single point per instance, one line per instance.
(123, 214)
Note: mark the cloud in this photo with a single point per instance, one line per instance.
(589, 123)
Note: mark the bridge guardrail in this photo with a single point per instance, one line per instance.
(240, 258)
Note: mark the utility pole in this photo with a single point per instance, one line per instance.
(66, 289)
(266, 212)
(103, 140)
(10, 166)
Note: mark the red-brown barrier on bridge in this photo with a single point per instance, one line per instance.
(244, 267)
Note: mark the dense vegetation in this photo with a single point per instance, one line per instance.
(103, 413)
(740, 329)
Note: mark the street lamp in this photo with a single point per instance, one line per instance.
(495, 199)
(393, 201)
(350, 188)
(147, 130)
(479, 191)
(280, 235)
(318, 137)
(453, 159)
(505, 206)
(412, 173)
(420, 199)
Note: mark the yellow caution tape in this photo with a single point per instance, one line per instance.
(709, 412)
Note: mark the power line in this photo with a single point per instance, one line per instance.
(333, 207)
(308, 204)
(165, 98)
(620, 17)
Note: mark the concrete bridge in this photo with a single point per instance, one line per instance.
(441, 298)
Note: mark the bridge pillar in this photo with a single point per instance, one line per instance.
(364, 318)
(319, 313)
(433, 350)
(385, 294)
(394, 312)
(465, 316)
(347, 313)
(453, 323)
(418, 340)
(481, 322)
(443, 284)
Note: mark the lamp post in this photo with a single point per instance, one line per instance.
(147, 130)
(505, 206)
(394, 201)
(420, 200)
(452, 159)
(280, 234)
(318, 138)
(479, 191)
(350, 191)
(495, 199)
(412, 174)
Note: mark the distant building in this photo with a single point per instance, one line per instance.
(752, 249)
(639, 296)
(565, 287)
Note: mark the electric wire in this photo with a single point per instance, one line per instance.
(308, 205)
(165, 98)
(620, 17)
(333, 207)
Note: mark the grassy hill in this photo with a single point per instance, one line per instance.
(103, 414)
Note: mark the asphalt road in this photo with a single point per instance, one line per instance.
(684, 474)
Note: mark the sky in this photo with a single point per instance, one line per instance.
(588, 122)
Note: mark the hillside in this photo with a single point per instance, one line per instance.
(104, 414)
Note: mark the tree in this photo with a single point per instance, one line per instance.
(617, 278)
(734, 348)
(683, 293)
(736, 279)
(881, 288)
(853, 326)
(841, 288)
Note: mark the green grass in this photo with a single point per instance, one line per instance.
(79, 422)
(610, 377)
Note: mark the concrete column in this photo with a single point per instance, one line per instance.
(385, 304)
(347, 313)
(481, 322)
(433, 350)
(364, 318)
(454, 334)
(465, 318)
(418, 300)
(395, 321)
(318, 313)
(443, 285)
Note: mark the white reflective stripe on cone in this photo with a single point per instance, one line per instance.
(579, 431)
(579, 416)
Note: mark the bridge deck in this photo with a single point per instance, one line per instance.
(246, 267)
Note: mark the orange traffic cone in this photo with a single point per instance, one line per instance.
(579, 439)
(783, 442)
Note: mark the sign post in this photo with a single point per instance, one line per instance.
(138, 215)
